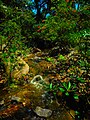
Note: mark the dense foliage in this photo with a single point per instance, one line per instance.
(63, 28)
(20, 27)
(65, 25)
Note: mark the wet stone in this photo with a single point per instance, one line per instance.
(43, 112)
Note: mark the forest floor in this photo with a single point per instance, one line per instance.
(63, 96)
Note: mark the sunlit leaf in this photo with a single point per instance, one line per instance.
(61, 57)
(61, 89)
(51, 86)
(49, 59)
(69, 86)
(13, 85)
(65, 85)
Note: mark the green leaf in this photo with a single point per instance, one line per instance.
(67, 94)
(81, 63)
(76, 97)
(65, 85)
(61, 57)
(61, 89)
(10, 50)
(4, 54)
(51, 86)
(6, 60)
(69, 86)
(49, 59)
(80, 79)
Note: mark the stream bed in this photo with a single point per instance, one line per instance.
(27, 100)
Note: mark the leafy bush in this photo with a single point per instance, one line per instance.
(66, 26)
(16, 28)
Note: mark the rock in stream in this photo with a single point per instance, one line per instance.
(43, 112)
